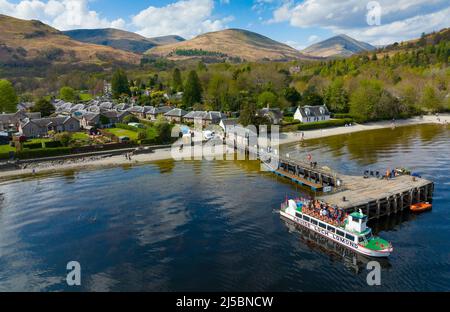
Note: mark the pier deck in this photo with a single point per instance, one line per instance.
(374, 196)
(377, 198)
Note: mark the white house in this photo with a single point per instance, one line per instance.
(312, 114)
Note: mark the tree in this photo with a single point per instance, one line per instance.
(311, 97)
(267, 98)
(364, 100)
(336, 97)
(64, 138)
(431, 100)
(67, 94)
(177, 82)
(130, 118)
(292, 96)
(248, 112)
(192, 90)
(163, 130)
(44, 107)
(104, 120)
(8, 97)
(119, 84)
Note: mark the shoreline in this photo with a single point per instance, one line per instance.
(41, 168)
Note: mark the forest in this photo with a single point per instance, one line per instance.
(397, 81)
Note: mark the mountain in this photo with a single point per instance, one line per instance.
(120, 39)
(32, 44)
(232, 44)
(338, 46)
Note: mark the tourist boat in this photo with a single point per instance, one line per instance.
(420, 207)
(350, 231)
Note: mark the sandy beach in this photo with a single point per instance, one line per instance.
(165, 154)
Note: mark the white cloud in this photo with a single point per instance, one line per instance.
(313, 38)
(186, 18)
(401, 30)
(295, 44)
(61, 14)
(400, 19)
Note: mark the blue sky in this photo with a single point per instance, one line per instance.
(298, 23)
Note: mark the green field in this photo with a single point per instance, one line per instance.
(133, 135)
(85, 96)
(6, 148)
(80, 136)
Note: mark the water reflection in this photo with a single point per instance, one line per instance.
(209, 225)
(353, 261)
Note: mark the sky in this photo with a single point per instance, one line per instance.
(298, 23)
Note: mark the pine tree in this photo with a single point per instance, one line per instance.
(8, 97)
(192, 90)
(177, 82)
(119, 84)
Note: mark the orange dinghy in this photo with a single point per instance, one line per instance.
(421, 207)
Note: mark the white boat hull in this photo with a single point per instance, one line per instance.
(338, 239)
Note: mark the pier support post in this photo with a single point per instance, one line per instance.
(395, 203)
(378, 209)
(388, 206)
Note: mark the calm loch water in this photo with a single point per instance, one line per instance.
(190, 226)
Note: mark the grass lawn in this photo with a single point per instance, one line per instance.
(85, 97)
(133, 135)
(6, 148)
(80, 136)
(32, 141)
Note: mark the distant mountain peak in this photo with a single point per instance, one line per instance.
(340, 45)
(232, 43)
(120, 39)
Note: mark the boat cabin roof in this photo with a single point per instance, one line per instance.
(358, 215)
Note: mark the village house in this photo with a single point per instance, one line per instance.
(105, 119)
(155, 112)
(34, 128)
(140, 111)
(90, 120)
(121, 107)
(11, 122)
(307, 114)
(175, 115)
(207, 118)
(113, 117)
(227, 124)
(274, 115)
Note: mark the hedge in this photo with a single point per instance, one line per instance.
(149, 141)
(342, 116)
(325, 124)
(32, 145)
(53, 144)
(43, 152)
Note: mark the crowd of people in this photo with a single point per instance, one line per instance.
(390, 174)
(325, 212)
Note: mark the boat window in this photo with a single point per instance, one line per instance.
(314, 221)
(306, 218)
(350, 237)
(322, 225)
(299, 215)
(331, 228)
(340, 233)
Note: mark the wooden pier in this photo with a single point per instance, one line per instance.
(376, 197)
